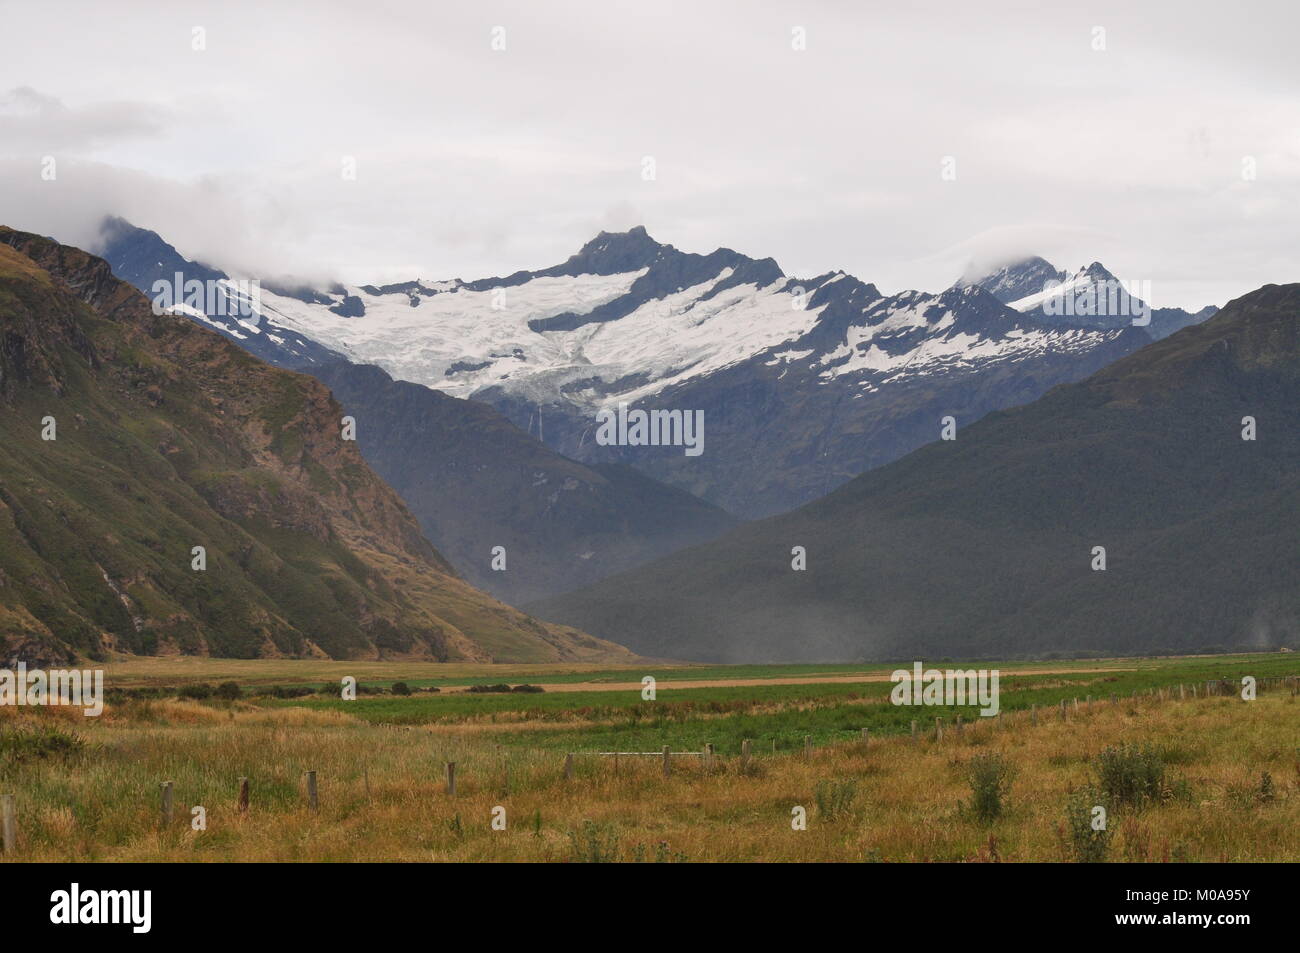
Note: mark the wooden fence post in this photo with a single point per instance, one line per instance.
(959, 724)
(1033, 715)
(668, 762)
(708, 756)
(744, 756)
(8, 823)
(938, 729)
(915, 736)
(166, 814)
(568, 766)
(242, 803)
(312, 800)
(451, 778)
(866, 736)
(807, 747)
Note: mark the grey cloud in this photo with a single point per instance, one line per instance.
(35, 122)
(473, 162)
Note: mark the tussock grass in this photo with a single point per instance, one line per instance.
(382, 790)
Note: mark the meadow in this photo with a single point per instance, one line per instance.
(1184, 768)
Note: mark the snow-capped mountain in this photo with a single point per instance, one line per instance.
(1017, 280)
(141, 258)
(804, 383)
(623, 319)
(1090, 296)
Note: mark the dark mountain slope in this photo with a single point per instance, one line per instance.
(170, 437)
(983, 545)
(475, 481)
(141, 258)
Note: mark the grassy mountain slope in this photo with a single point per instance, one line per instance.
(475, 481)
(983, 545)
(170, 437)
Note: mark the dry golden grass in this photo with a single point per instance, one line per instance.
(382, 791)
(137, 671)
(141, 670)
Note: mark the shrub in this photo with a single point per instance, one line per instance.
(1085, 844)
(663, 854)
(990, 778)
(1130, 774)
(229, 691)
(401, 688)
(835, 798)
(18, 745)
(1261, 792)
(594, 843)
(528, 689)
(1264, 792)
(199, 691)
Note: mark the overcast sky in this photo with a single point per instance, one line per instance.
(472, 161)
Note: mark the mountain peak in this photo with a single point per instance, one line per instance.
(1097, 272)
(611, 253)
(1017, 279)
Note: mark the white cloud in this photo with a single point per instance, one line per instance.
(472, 162)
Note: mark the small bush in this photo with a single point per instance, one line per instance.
(1084, 844)
(663, 854)
(990, 777)
(24, 745)
(528, 689)
(1130, 775)
(1247, 795)
(1264, 792)
(230, 691)
(198, 691)
(594, 843)
(401, 688)
(485, 689)
(835, 798)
